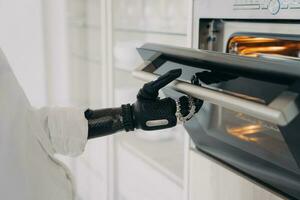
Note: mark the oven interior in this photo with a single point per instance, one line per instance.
(256, 45)
(257, 137)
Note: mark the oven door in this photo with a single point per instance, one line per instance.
(250, 118)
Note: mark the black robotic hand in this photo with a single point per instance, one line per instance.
(149, 112)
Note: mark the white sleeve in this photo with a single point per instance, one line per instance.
(67, 129)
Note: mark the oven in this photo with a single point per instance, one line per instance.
(245, 58)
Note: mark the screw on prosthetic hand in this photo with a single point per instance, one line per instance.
(152, 113)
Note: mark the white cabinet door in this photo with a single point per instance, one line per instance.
(140, 180)
(210, 181)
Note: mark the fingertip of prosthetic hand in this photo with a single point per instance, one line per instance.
(150, 90)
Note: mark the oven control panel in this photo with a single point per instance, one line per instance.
(273, 6)
(248, 9)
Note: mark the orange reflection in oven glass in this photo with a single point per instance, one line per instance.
(253, 46)
(246, 133)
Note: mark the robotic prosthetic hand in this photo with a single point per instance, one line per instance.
(149, 112)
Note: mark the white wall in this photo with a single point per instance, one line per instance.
(21, 39)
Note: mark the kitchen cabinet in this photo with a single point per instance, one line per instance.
(85, 48)
(149, 165)
(86, 83)
(211, 181)
(140, 177)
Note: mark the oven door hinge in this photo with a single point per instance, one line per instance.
(209, 34)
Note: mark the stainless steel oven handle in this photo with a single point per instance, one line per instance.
(281, 111)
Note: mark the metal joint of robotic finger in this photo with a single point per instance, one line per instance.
(187, 107)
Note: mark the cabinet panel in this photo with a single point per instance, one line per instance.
(210, 181)
(167, 16)
(126, 42)
(149, 165)
(139, 180)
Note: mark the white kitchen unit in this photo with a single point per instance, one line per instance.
(76, 54)
(84, 46)
(212, 181)
(90, 87)
(148, 165)
(141, 177)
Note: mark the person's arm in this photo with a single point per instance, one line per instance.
(149, 112)
(65, 129)
(68, 129)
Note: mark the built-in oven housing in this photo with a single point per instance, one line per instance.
(275, 162)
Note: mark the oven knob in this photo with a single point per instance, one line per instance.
(274, 6)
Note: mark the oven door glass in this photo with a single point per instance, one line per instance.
(249, 121)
